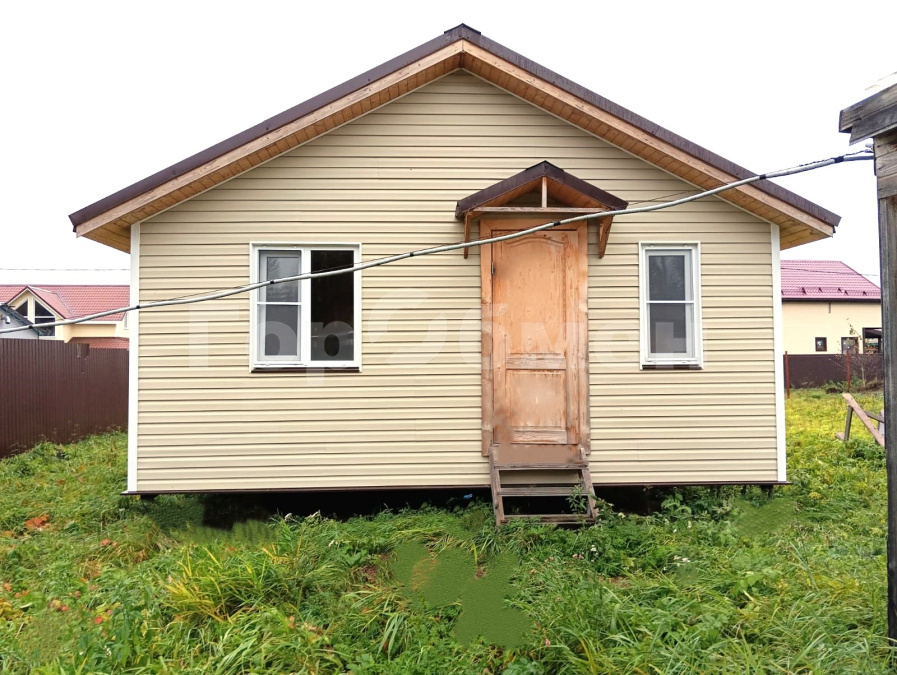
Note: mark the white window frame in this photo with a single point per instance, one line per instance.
(649, 360)
(30, 313)
(304, 360)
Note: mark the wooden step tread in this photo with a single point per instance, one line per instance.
(541, 491)
(547, 466)
(550, 517)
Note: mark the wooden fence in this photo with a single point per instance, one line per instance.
(815, 370)
(52, 391)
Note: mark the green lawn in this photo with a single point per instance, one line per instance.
(716, 581)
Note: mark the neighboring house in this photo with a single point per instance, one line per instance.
(654, 347)
(10, 318)
(829, 308)
(47, 303)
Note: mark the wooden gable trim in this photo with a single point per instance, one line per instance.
(798, 226)
(119, 218)
(109, 220)
(545, 174)
(583, 197)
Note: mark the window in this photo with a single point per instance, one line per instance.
(872, 340)
(44, 315)
(670, 307)
(821, 344)
(310, 323)
(850, 344)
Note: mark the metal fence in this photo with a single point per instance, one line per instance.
(51, 391)
(816, 370)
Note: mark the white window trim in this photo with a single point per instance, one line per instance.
(30, 300)
(304, 360)
(649, 361)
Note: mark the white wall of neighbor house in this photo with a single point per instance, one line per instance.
(412, 417)
(81, 330)
(806, 321)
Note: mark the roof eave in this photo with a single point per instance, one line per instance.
(460, 47)
(839, 298)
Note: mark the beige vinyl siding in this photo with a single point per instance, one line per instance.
(665, 426)
(412, 417)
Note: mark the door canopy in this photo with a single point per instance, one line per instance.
(541, 189)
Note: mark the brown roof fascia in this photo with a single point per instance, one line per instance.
(461, 32)
(296, 112)
(542, 169)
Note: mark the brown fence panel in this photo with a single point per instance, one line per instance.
(51, 391)
(815, 370)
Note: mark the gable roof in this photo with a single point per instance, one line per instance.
(825, 280)
(71, 301)
(108, 220)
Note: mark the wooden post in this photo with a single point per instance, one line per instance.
(847, 424)
(847, 362)
(887, 232)
(787, 378)
(876, 118)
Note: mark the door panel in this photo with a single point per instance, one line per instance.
(535, 327)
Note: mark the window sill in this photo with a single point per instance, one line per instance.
(305, 369)
(672, 366)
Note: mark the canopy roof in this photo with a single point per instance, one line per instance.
(462, 47)
(560, 185)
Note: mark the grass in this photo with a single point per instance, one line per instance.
(715, 581)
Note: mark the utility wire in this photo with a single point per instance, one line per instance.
(801, 168)
(126, 269)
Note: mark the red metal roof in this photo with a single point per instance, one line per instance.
(102, 342)
(825, 280)
(71, 301)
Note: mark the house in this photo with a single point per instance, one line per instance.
(650, 345)
(829, 308)
(10, 318)
(48, 303)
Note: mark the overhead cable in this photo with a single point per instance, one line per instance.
(801, 168)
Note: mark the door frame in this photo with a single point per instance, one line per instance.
(581, 350)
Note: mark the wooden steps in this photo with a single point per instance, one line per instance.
(557, 518)
(559, 491)
(552, 463)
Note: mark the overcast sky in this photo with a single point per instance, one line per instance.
(99, 95)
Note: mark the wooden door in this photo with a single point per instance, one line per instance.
(537, 341)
